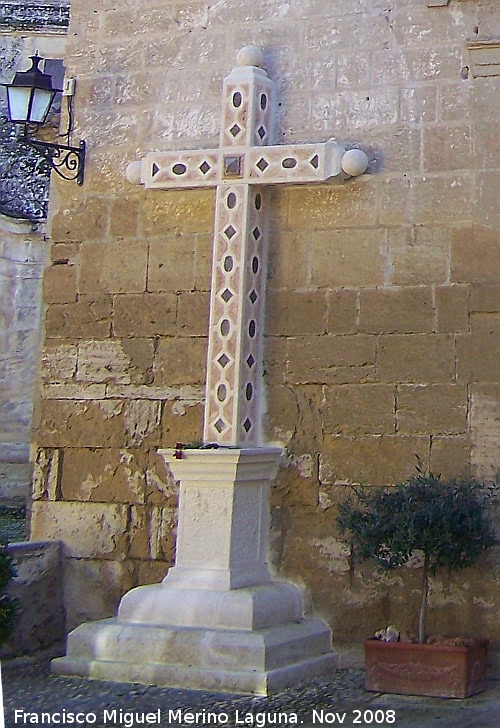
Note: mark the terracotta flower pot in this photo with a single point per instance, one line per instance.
(441, 671)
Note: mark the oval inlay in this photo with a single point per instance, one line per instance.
(179, 169)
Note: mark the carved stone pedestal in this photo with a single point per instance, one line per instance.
(218, 621)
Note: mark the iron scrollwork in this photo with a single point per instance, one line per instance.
(68, 162)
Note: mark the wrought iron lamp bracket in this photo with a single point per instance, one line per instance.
(67, 161)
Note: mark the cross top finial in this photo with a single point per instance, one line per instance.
(250, 56)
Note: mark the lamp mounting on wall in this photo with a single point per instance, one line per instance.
(29, 98)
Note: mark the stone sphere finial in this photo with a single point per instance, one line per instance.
(134, 172)
(250, 56)
(354, 162)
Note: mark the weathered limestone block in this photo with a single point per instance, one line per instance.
(180, 361)
(295, 313)
(441, 198)
(58, 361)
(475, 253)
(122, 361)
(88, 530)
(101, 423)
(142, 421)
(89, 222)
(437, 409)
(478, 359)
(124, 217)
(348, 257)
(46, 474)
(484, 298)
(371, 459)
(114, 267)
(59, 284)
(89, 317)
(354, 109)
(23, 251)
(161, 488)
(181, 211)
(342, 311)
(330, 359)
(182, 422)
(360, 408)
(102, 475)
(285, 270)
(39, 588)
(416, 358)
(192, 313)
(485, 429)
(419, 255)
(451, 456)
(395, 199)
(93, 588)
(419, 104)
(78, 423)
(448, 148)
(152, 533)
(452, 308)
(145, 315)
(336, 204)
(294, 416)
(408, 310)
(180, 262)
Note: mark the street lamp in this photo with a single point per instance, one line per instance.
(29, 98)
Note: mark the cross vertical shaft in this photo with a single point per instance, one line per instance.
(234, 363)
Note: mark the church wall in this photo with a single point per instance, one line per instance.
(24, 183)
(22, 256)
(383, 303)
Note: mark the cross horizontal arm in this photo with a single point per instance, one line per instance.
(268, 165)
(293, 164)
(174, 170)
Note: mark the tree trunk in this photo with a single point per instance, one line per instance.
(423, 602)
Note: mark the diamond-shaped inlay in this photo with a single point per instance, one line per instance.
(223, 360)
(235, 130)
(247, 425)
(314, 162)
(253, 296)
(256, 233)
(261, 131)
(226, 295)
(205, 167)
(229, 232)
(220, 425)
(262, 164)
(250, 360)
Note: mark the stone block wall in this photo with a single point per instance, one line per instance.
(22, 257)
(383, 303)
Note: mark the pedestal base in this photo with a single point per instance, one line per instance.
(258, 662)
(217, 621)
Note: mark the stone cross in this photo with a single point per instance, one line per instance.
(219, 620)
(240, 169)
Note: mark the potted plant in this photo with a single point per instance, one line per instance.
(447, 524)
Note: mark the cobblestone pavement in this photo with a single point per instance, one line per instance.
(338, 699)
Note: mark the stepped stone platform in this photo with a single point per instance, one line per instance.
(217, 621)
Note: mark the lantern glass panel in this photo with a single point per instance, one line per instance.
(19, 102)
(40, 105)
